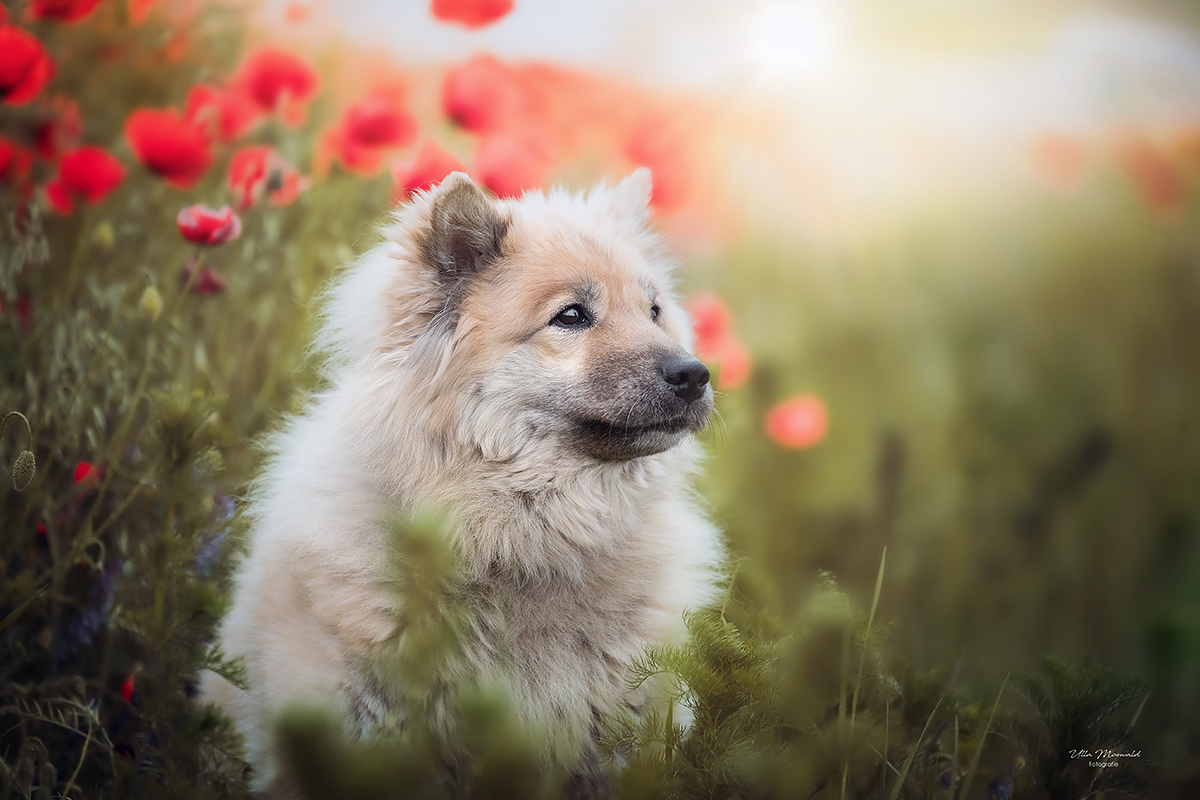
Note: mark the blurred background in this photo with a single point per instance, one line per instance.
(943, 257)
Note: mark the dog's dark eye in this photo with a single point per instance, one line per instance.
(654, 312)
(573, 316)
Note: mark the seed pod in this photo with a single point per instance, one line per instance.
(152, 303)
(23, 469)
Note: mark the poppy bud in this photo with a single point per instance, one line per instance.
(151, 304)
(23, 469)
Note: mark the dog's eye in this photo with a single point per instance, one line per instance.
(573, 316)
(654, 312)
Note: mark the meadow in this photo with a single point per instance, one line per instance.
(956, 456)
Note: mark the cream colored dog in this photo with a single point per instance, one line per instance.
(524, 364)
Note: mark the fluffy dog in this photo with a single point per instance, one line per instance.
(524, 364)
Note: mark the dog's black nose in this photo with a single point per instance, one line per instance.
(687, 377)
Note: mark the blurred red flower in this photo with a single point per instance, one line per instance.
(86, 472)
(797, 423)
(24, 65)
(248, 174)
(258, 169)
(471, 13)
(715, 341)
(169, 146)
(139, 10)
(1156, 178)
(510, 166)
(276, 80)
(484, 95)
(15, 162)
(224, 114)
(206, 283)
(58, 130)
(367, 130)
(295, 13)
(87, 172)
(430, 168)
(652, 144)
(203, 225)
(712, 324)
(62, 10)
(1060, 159)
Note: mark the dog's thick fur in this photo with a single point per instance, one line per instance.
(560, 450)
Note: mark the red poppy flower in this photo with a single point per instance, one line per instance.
(367, 130)
(471, 13)
(169, 146)
(59, 130)
(87, 473)
(248, 174)
(712, 324)
(430, 168)
(127, 687)
(510, 166)
(484, 95)
(1060, 159)
(139, 10)
(258, 169)
(653, 145)
(716, 342)
(203, 225)
(225, 114)
(1156, 178)
(89, 173)
(62, 10)
(295, 13)
(206, 283)
(15, 162)
(24, 65)
(797, 423)
(276, 80)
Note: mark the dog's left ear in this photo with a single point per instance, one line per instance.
(631, 197)
(466, 230)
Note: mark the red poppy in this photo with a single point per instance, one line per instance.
(15, 162)
(139, 10)
(89, 173)
(295, 13)
(127, 689)
(285, 184)
(510, 166)
(484, 95)
(471, 13)
(430, 168)
(225, 114)
(203, 225)
(1060, 159)
(62, 10)
(716, 342)
(87, 472)
(797, 423)
(24, 65)
(712, 324)
(248, 174)
(1156, 178)
(367, 130)
(652, 144)
(59, 130)
(206, 283)
(169, 146)
(276, 80)
(258, 169)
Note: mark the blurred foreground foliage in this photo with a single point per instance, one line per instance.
(1013, 397)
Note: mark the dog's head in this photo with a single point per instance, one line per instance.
(542, 324)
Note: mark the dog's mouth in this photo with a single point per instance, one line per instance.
(612, 442)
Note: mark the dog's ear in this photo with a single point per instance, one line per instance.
(466, 230)
(631, 197)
